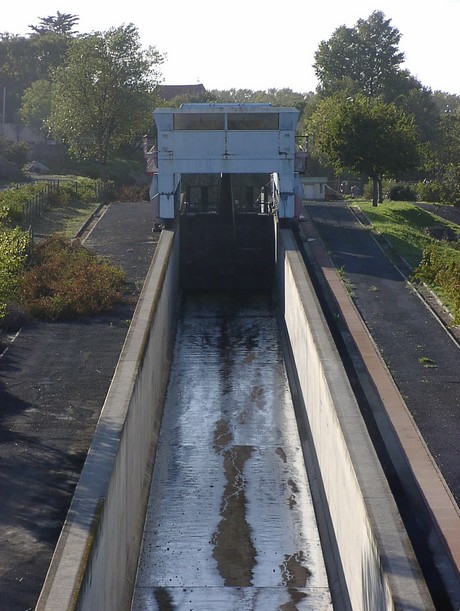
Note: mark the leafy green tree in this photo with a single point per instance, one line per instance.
(17, 69)
(448, 146)
(36, 105)
(61, 23)
(446, 102)
(363, 59)
(101, 97)
(25, 59)
(364, 136)
(416, 100)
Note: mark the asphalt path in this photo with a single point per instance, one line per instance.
(422, 357)
(53, 382)
(54, 378)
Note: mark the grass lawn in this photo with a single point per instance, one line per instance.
(64, 220)
(404, 225)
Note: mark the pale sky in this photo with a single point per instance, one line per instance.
(256, 44)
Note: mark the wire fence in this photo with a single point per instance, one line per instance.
(41, 201)
(34, 208)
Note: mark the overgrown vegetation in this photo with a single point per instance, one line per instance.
(440, 269)
(65, 280)
(14, 245)
(410, 231)
(60, 279)
(58, 194)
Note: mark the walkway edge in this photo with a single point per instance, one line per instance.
(438, 498)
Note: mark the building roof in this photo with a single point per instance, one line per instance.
(168, 92)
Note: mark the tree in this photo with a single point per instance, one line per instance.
(62, 23)
(24, 60)
(101, 97)
(363, 59)
(17, 68)
(36, 105)
(364, 136)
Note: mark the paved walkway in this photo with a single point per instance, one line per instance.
(423, 401)
(48, 414)
(53, 382)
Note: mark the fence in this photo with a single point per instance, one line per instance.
(41, 201)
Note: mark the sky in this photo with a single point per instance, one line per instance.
(257, 44)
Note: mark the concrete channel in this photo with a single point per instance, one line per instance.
(230, 503)
(254, 456)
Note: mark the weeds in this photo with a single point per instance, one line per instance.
(427, 362)
(65, 280)
(440, 269)
(346, 280)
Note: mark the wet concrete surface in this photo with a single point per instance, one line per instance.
(53, 382)
(422, 357)
(230, 523)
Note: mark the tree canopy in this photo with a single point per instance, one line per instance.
(364, 136)
(101, 96)
(363, 59)
(61, 23)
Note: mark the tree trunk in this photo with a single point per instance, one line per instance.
(380, 190)
(103, 170)
(375, 190)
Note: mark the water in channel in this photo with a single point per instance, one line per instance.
(230, 523)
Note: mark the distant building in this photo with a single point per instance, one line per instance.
(314, 187)
(15, 133)
(169, 92)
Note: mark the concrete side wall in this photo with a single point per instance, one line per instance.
(95, 561)
(376, 559)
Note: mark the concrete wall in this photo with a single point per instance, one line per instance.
(95, 561)
(374, 554)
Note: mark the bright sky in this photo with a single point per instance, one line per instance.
(255, 44)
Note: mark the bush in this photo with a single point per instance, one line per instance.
(440, 269)
(14, 245)
(402, 192)
(9, 172)
(13, 199)
(65, 280)
(17, 153)
(13, 156)
(134, 193)
(430, 191)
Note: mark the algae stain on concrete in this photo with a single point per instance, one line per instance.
(233, 549)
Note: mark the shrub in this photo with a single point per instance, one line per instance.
(440, 269)
(14, 245)
(65, 280)
(134, 193)
(430, 191)
(402, 192)
(17, 153)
